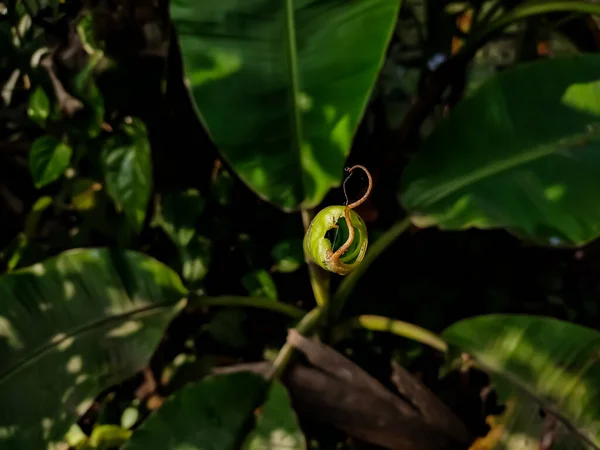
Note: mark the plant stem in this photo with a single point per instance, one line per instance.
(319, 278)
(306, 327)
(319, 281)
(397, 327)
(250, 302)
(378, 247)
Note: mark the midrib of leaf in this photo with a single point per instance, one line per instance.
(446, 189)
(292, 60)
(38, 353)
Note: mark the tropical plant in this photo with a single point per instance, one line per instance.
(122, 318)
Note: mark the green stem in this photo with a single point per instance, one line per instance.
(249, 302)
(306, 327)
(378, 247)
(524, 11)
(397, 327)
(319, 278)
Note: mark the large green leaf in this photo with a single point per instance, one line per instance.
(211, 414)
(555, 363)
(522, 152)
(281, 85)
(71, 327)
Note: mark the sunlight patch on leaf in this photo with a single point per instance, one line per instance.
(8, 331)
(555, 192)
(75, 364)
(125, 329)
(82, 378)
(224, 63)
(69, 290)
(583, 97)
(84, 406)
(38, 269)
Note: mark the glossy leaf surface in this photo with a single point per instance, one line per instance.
(128, 173)
(554, 362)
(39, 106)
(211, 414)
(69, 328)
(48, 160)
(522, 152)
(281, 85)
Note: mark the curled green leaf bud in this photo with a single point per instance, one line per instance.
(337, 237)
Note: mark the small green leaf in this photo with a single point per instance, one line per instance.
(128, 173)
(39, 106)
(84, 193)
(288, 255)
(177, 214)
(195, 260)
(211, 414)
(84, 86)
(555, 363)
(276, 424)
(48, 160)
(259, 283)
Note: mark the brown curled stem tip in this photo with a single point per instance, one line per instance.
(361, 200)
(344, 248)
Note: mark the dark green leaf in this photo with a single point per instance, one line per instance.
(48, 160)
(222, 187)
(288, 255)
(276, 424)
(195, 260)
(259, 283)
(71, 327)
(39, 106)
(555, 363)
(282, 85)
(226, 327)
(128, 173)
(210, 414)
(522, 152)
(177, 214)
